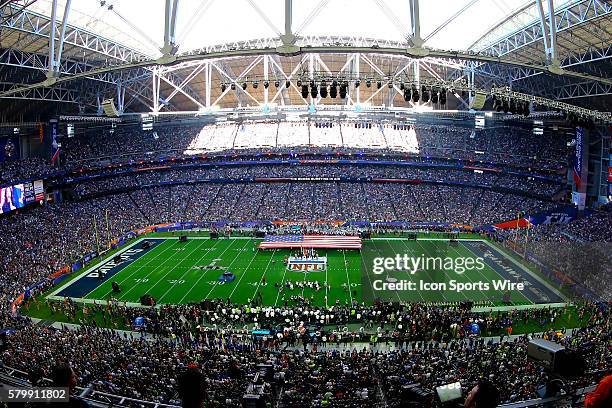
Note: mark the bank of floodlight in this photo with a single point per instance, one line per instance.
(424, 94)
(314, 91)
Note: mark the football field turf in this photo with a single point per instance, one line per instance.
(176, 272)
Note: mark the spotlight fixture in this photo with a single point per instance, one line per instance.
(357, 83)
(434, 95)
(314, 92)
(223, 87)
(390, 84)
(333, 90)
(299, 83)
(244, 86)
(443, 96)
(276, 84)
(406, 94)
(323, 90)
(402, 86)
(287, 84)
(255, 84)
(266, 84)
(415, 94)
(343, 91)
(368, 83)
(233, 86)
(304, 91)
(378, 84)
(424, 94)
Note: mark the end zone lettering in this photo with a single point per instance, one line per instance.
(104, 269)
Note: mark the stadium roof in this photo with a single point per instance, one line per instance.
(501, 41)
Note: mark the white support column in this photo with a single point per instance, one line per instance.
(60, 48)
(120, 95)
(356, 62)
(208, 74)
(170, 15)
(155, 85)
(266, 78)
(415, 20)
(471, 84)
(416, 72)
(552, 28)
(545, 32)
(288, 38)
(51, 62)
(100, 110)
(311, 58)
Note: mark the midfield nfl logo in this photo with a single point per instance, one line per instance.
(307, 265)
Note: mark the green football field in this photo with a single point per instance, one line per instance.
(176, 272)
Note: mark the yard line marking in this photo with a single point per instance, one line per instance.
(326, 284)
(219, 256)
(495, 271)
(527, 270)
(411, 250)
(189, 268)
(264, 274)
(136, 269)
(243, 274)
(448, 277)
(150, 288)
(102, 262)
(282, 284)
(347, 278)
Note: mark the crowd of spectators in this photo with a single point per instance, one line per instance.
(314, 361)
(327, 171)
(128, 144)
(320, 201)
(309, 367)
(579, 251)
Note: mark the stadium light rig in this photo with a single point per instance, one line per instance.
(428, 91)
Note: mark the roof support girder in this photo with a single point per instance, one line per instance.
(170, 47)
(567, 18)
(415, 22)
(27, 21)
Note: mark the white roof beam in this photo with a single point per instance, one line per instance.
(415, 21)
(170, 47)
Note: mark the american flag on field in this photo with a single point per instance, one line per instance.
(310, 241)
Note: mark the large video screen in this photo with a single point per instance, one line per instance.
(11, 198)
